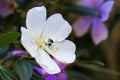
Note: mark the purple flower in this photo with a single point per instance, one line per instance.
(60, 76)
(7, 7)
(99, 31)
(50, 77)
(39, 70)
(18, 52)
(61, 65)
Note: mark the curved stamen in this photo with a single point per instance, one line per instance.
(39, 40)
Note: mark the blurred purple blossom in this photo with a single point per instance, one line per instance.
(60, 76)
(7, 7)
(18, 52)
(99, 31)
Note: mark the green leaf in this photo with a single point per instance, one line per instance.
(73, 75)
(8, 56)
(23, 69)
(97, 68)
(93, 62)
(36, 76)
(82, 53)
(82, 10)
(3, 52)
(31, 61)
(6, 74)
(7, 38)
(4, 49)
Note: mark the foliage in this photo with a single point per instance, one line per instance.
(93, 61)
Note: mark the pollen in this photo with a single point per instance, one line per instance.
(39, 40)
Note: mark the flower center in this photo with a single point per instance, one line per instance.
(41, 43)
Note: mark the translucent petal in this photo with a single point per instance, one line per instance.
(26, 40)
(36, 18)
(87, 3)
(81, 26)
(65, 52)
(105, 9)
(91, 3)
(44, 60)
(56, 28)
(99, 31)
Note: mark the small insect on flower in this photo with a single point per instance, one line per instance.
(45, 39)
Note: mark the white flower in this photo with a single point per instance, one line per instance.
(43, 38)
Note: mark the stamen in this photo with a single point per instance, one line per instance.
(39, 40)
(48, 50)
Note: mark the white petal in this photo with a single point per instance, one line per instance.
(65, 52)
(57, 28)
(26, 40)
(36, 18)
(44, 60)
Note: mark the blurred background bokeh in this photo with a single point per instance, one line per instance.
(94, 62)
